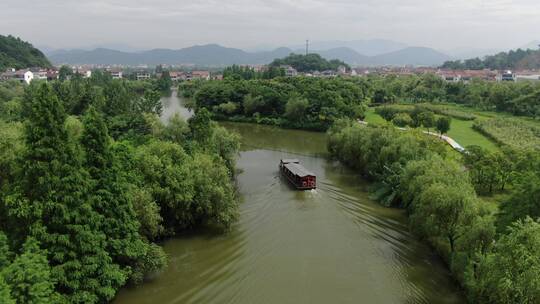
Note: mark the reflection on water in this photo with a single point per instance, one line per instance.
(330, 245)
(173, 104)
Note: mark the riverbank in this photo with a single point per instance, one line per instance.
(413, 172)
(332, 245)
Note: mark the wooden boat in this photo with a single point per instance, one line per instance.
(299, 176)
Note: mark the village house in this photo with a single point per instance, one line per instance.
(116, 73)
(52, 75)
(521, 76)
(25, 76)
(290, 71)
(177, 76)
(85, 73)
(506, 76)
(342, 70)
(203, 75)
(142, 75)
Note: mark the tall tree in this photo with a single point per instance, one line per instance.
(29, 276)
(443, 124)
(53, 206)
(110, 194)
(5, 292)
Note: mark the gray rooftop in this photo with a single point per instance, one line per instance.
(298, 169)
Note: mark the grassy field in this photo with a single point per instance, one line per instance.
(374, 118)
(460, 130)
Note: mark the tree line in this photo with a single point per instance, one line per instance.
(317, 102)
(247, 73)
(309, 63)
(521, 98)
(294, 102)
(493, 254)
(91, 178)
(513, 59)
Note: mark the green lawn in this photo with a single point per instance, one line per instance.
(462, 132)
(374, 118)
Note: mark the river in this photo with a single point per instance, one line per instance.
(330, 245)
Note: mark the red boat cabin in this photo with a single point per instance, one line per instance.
(297, 175)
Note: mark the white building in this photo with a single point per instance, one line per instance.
(290, 71)
(142, 75)
(85, 73)
(116, 74)
(22, 75)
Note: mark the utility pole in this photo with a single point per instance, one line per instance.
(307, 47)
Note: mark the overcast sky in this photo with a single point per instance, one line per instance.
(442, 24)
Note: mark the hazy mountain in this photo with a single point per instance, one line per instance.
(466, 53)
(368, 47)
(533, 45)
(348, 55)
(418, 56)
(213, 54)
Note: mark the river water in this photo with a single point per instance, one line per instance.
(330, 245)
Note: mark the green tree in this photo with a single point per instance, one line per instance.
(53, 206)
(427, 119)
(252, 104)
(110, 194)
(151, 102)
(29, 276)
(402, 120)
(64, 73)
(444, 211)
(201, 126)
(443, 124)
(510, 272)
(524, 201)
(165, 174)
(296, 108)
(5, 296)
(164, 83)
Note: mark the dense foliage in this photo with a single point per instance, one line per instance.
(18, 54)
(247, 73)
(90, 178)
(521, 98)
(309, 63)
(308, 103)
(414, 172)
(518, 59)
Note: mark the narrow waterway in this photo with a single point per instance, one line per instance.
(330, 245)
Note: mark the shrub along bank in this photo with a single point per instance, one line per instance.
(413, 172)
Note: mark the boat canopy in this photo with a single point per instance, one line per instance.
(290, 161)
(298, 170)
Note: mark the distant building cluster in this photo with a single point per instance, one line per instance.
(27, 75)
(454, 75)
(142, 73)
(85, 71)
(341, 71)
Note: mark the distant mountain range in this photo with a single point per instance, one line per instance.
(368, 47)
(216, 55)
